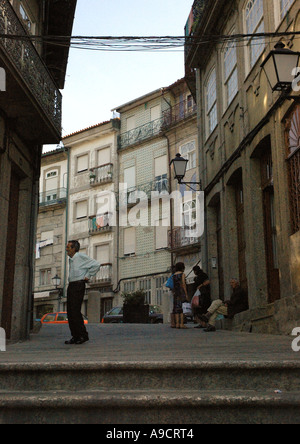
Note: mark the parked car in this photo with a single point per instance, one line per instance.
(115, 316)
(58, 318)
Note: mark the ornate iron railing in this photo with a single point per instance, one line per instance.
(102, 174)
(100, 224)
(179, 112)
(181, 237)
(294, 169)
(195, 16)
(53, 197)
(160, 185)
(193, 21)
(26, 60)
(140, 134)
(104, 276)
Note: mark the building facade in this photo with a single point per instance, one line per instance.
(249, 155)
(154, 128)
(32, 74)
(93, 172)
(143, 260)
(180, 127)
(51, 233)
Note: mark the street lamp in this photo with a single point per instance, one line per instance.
(279, 67)
(180, 167)
(56, 281)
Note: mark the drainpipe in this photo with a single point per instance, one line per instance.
(202, 178)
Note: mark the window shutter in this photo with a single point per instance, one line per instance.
(82, 163)
(129, 241)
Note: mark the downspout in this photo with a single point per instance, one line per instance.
(202, 177)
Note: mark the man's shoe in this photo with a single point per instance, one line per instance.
(70, 342)
(81, 341)
(210, 329)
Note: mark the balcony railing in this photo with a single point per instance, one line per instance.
(180, 238)
(100, 224)
(29, 65)
(102, 174)
(104, 276)
(195, 16)
(140, 134)
(161, 185)
(53, 197)
(179, 112)
(193, 21)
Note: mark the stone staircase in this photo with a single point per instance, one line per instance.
(150, 393)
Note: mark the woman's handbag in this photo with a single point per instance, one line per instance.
(196, 299)
(170, 283)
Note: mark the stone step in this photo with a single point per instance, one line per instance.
(149, 407)
(150, 376)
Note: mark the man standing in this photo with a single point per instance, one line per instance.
(82, 268)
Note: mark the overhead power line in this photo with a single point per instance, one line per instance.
(145, 43)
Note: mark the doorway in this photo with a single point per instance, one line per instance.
(10, 258)
(270, 230)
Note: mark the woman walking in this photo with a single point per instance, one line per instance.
(180, 296)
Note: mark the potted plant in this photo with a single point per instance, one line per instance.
(92, 177)
(134, 310)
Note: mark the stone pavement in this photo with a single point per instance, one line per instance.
(150, 343)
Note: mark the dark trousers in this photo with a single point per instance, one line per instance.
(76, 292)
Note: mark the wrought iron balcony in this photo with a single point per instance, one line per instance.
(104, 276)
(179, 112)
(101, 175)
(53, 197)
(31, 75)
(182, 239)
(140, 134)
(195, 16)
(99, 224)
(160, 185)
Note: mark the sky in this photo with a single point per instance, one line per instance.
(98, 81)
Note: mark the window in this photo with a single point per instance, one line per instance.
(103, 254)
(161, 174)
(82, 163)
(161, 235)
(45, 277)
(129, 287)
(145, 285)
(188, 151)
(131, 123)
(230, 72)
(155, 113)
(81, 210)
(27, 20)
(129, 242)
(211, 102)
(51, 185)
(284, 7)
(254, 25)
(52, 174)
(130, 178)
(160, 289)
(190, 214)
(50, 317)
(103, 156)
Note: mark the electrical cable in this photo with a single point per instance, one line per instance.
(146, 43)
